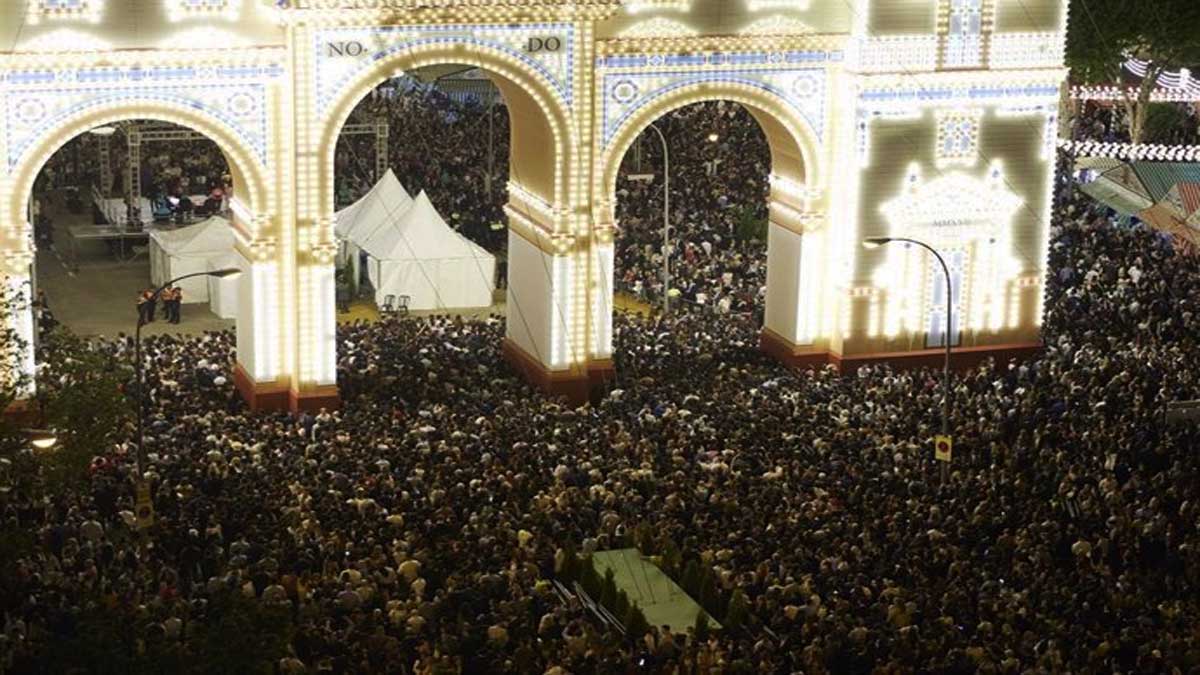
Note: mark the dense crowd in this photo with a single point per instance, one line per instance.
(719, 162)
(437, 144)
(175, 168)
(1108, 122)
(415, 529)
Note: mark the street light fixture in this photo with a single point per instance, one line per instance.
(42, 439)
(137, 360)
(714, 137)
(876, 242)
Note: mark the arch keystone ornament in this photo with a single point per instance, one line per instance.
(879, 121)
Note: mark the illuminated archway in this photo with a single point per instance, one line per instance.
(796, 307)
(259, 336)
(539, 120)
(248, 174)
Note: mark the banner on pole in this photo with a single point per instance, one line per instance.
(145, 508)
(943, 447)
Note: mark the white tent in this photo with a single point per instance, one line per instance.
(187, 250)
(223, 292)
(357, 222)
(418, 255)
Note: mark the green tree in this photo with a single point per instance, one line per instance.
(570, 564)
(672, 559)
(621, 605)
(738, 612)
(14, 349)
(1162, 121)
(588, 578)
(635, 622)
(701, 628)
(750, 225)
(710, 597)
(241, 637)
(84, 404)
(608, 589)
(691, 578)
(1104, 33)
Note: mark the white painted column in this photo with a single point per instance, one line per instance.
(602, 302)
(258, 335)
(796, 267)
(539, 303)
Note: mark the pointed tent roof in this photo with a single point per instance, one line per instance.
(209, 236)
(420, 233)
(357, 221)
(1160, 177)
(1188, 196)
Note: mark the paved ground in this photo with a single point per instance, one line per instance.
(99, 298)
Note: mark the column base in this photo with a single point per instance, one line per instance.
(21, 413)
(601, 374)
(961, 358)
(790, 355)
(314, 400)
(260, 396)
(573, 385)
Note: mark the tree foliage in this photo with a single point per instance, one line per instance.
(83, 401)
(13, 378)
(1104, 33)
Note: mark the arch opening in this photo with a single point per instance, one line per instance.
(123, 201)
(720, 160)
(537, 208)
(422, 169)
(792, 307)
(541, 131)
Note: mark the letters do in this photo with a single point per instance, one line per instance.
(543, 44)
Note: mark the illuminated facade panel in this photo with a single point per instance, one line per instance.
(925, 118)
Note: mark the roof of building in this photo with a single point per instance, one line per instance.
(1159, 177)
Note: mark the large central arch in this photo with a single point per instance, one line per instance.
(543, 203)
(539, 119)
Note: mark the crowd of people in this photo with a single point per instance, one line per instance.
(416, 529)
(439, 144)
(719, 162)
(720, 165)
(1108, 122)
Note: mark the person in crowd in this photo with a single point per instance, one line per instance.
(146, 306)
(172, 298)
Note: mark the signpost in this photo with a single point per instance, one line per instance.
(145, 508)
(943, 447)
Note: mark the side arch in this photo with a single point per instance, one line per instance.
(248, 173)
(796, 151)
(540, 119)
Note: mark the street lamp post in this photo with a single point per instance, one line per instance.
(666, 249)
(140, 371)
(876, 242)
